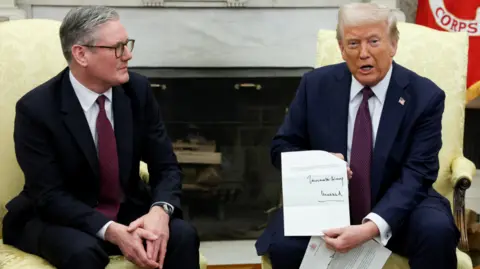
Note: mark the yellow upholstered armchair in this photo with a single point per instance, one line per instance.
(30, 54)
(441, 57)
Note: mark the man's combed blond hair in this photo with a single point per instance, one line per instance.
(357, 14)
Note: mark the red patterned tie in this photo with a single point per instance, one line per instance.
(109, 198)
(360, 161)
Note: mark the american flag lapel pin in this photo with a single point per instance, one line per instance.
(401, 101)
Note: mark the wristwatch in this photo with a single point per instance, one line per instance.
(167, 209)
(165, 206)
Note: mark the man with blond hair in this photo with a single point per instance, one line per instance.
(386, 121)
(79, 139)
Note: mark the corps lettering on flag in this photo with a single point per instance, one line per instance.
(456, 16)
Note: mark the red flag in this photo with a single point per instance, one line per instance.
(456, 16)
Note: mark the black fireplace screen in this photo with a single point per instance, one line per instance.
(221, 123)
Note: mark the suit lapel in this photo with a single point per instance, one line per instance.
(75, 120)
(390, 122)
(122, 114)
(338, 112)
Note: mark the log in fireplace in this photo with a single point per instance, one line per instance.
(221, 122)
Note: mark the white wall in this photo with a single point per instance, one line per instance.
(176, 37)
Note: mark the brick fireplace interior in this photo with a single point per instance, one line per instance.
(221, 121)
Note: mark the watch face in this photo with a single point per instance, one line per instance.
(167, 209)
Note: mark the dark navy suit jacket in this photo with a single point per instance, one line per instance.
(57, 154)
(405, 159)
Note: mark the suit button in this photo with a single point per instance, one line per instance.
(96, 203)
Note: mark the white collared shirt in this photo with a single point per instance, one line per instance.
(375, 106)
(87, 99)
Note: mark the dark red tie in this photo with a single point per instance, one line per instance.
(361, 161)
(109, 198)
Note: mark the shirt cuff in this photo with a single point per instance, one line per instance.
(170, 207)
(383, 227)
(101, 233)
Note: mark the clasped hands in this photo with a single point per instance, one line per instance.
(346, 238)
(153, 228)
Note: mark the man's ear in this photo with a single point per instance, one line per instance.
(393, 49)
(342, 49)
(79, 55)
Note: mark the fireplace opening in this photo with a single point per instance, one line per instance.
(221, 122)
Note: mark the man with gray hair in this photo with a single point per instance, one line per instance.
(79, 139)
(387, 121)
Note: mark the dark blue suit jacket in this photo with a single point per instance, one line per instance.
(405, 159)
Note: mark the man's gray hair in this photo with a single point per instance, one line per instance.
(356, 14)
(79, 26)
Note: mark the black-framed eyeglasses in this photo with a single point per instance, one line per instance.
(119, 48)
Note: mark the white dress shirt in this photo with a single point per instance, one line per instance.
(375, 105)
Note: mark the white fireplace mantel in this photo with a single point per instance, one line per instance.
(193, 3)
(199, 3)
(215, 33)
(8, 11)
(7, 3)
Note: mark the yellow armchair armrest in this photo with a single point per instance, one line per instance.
(266, 264)
(463, 171)
(462, 168)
